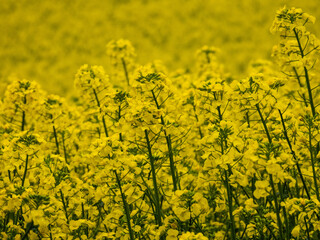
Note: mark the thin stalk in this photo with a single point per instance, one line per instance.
(105, 127)
(154, 179)
(169, 146)
(172, 165)
(293, 154)
(286, 221)
(124, 65)
(229, 189)
(244, 231)
(6, 221)
(26, 233)
(208, 58)
(82, 211)
(296, 185)
(65, 207)
(264, 123)
(25, 170)
(126, 206)
(309, 91)
(56, 139)
(229, 193)
(221, 140)
(64, 149)
(119, 117)
(150, 196)
(50, 233)
(99, 106)
(248, 119)
(279, 222)
(313, 167)
(276, 206)
(306, 74)
(17, 216)
(300, 84)
(307, 228)
(197, 118)
(23, 121)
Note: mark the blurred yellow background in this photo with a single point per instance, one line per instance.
(48, 41)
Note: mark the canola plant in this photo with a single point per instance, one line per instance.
(143, 152)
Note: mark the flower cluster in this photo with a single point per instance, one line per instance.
(184, 155)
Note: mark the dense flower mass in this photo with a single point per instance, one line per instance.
(168, 155)
(48, 40)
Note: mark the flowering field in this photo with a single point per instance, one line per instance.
(147, 153)
(48, 40)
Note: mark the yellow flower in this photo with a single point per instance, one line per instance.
(120, 50)
(262, 189)
(172, 234)
(182, 213)
(296, 231)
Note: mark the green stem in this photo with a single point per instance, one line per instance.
(172, 165)
(276, 206)
(25, 171)
(281, 190)
(313, 166)
(23, 121)
(99, 106)
(197, 118)
(125, 70)
(300, 84)
(154, 179)
(229, 189)
(248, 119)
(64, 149)
(264, 123)
(50, 233)
(306, 74)
(29, 227)
(299, 43)
(119, 117)
(173, 169)
(126, 206)
(105, 126)
(208, 58)
(65, 208)
(229, 193)
(293, 154)
(221, 135)
(56, 139)
(309, 91)
(275, 199)
(307, 228)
